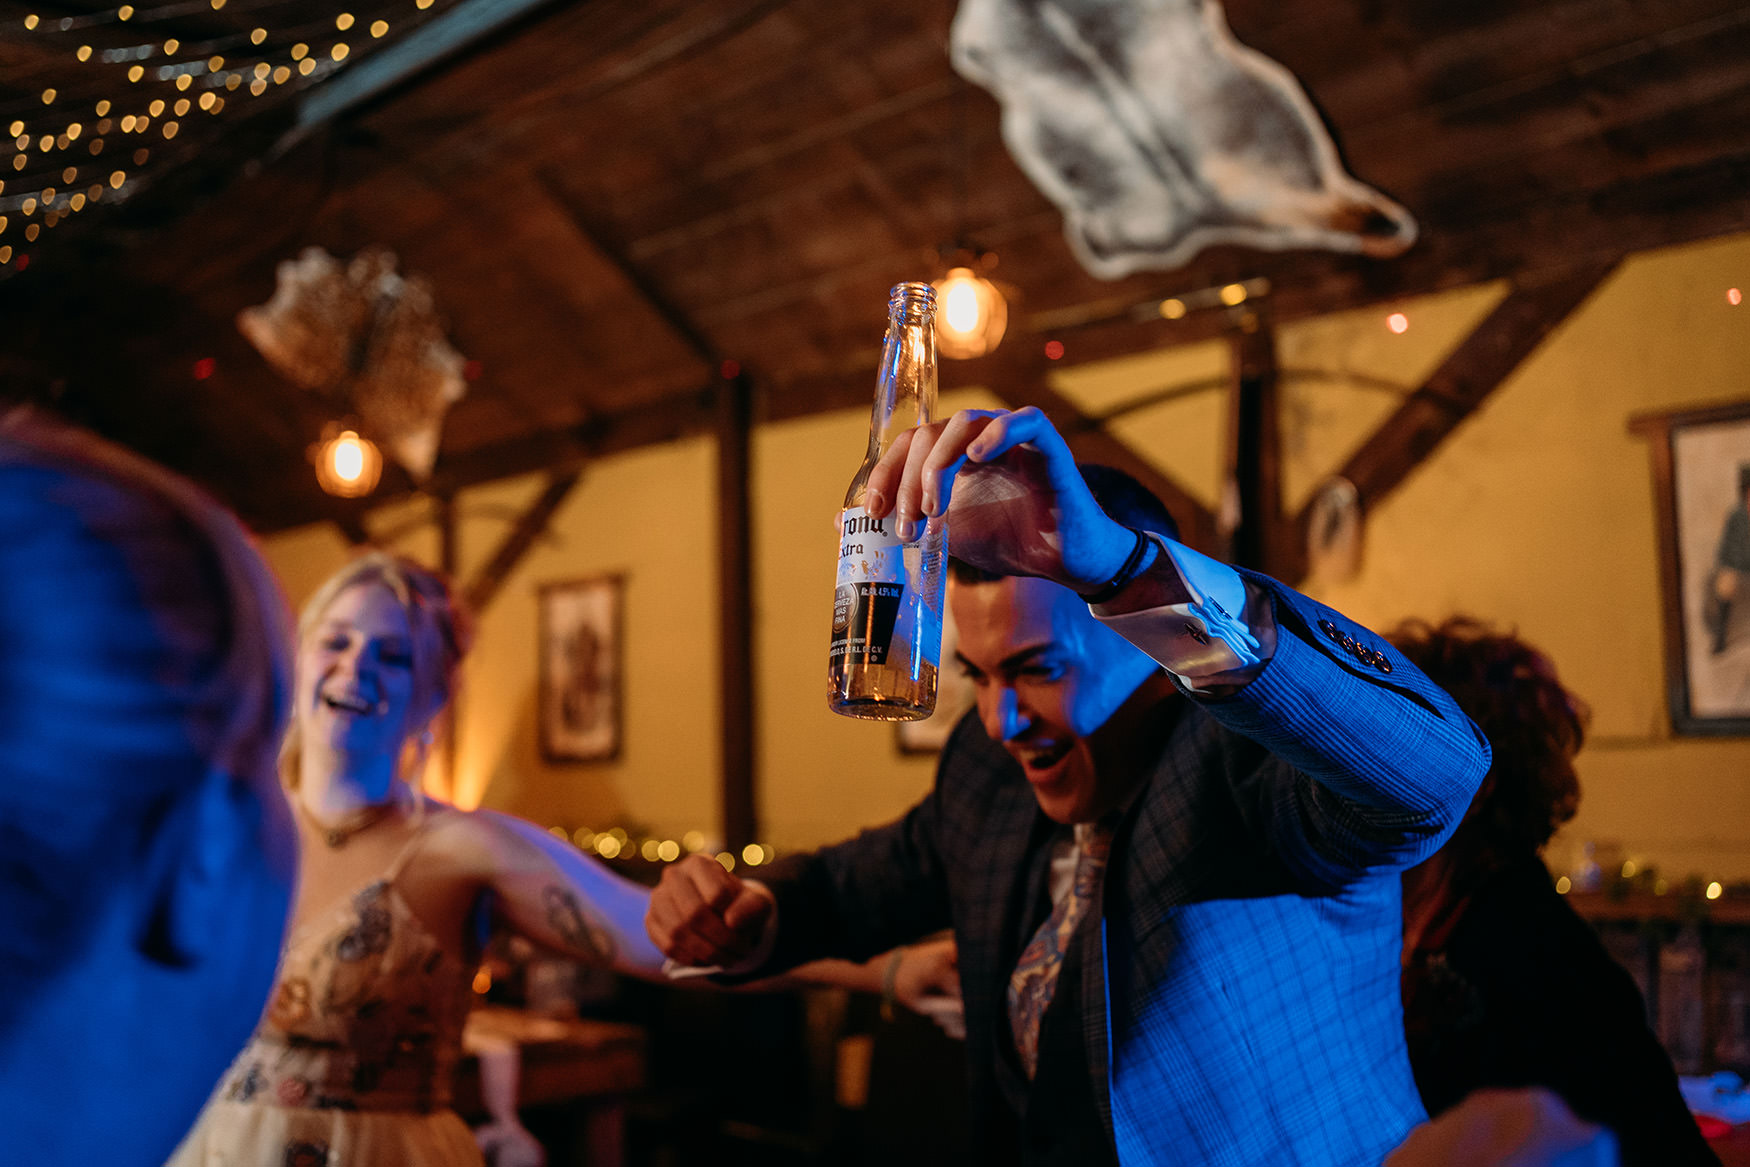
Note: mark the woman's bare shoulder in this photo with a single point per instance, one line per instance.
(485, 838)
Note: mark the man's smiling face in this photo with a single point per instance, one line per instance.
(1054, 688)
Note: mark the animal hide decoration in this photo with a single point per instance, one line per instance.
(1158, 134)
(370, 338)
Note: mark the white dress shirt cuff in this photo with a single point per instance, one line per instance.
(1216, 641)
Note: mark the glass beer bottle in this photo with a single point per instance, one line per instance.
(887, 610)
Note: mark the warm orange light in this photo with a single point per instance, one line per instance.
(1734, 296)
(1398, 323)
(1715, 891)
(348, 465)
(972, 316)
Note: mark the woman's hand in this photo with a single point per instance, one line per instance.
(927, 982)
(508, 1143)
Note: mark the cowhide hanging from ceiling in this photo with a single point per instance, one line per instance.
(1158, 134)
(368, 338)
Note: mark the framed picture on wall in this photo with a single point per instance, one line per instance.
(1701, 483)
(580, 677)
(954, 696)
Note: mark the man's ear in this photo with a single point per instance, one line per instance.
(192, 852)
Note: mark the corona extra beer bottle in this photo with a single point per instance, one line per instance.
(887, 610)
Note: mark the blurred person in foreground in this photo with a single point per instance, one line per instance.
(1504, 984)
(146, 853)
(1167, 840)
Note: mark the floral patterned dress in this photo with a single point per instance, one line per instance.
(351, 1066)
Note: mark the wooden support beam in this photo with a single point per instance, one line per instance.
(1255, 449)
(449, 554)
(735, 588)
(653, 296)
(1092, 443)
(1463, 381)
(530, 525)
(352, 525)
(412, 57)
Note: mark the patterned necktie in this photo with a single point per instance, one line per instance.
(1035, 975)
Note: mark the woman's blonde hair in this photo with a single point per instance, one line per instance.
(440, 630)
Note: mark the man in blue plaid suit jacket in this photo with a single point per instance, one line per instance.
(1234, 999)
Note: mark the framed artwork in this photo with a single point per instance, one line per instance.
(580, 679)
(954, 696)
(1701, 484)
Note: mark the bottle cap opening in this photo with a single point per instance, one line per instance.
(916, 296)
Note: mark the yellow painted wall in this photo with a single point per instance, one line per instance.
(1537, 512)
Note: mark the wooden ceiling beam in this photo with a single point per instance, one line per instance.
(411, 58)
(1463, 381)
(635, 278)
(529, 526)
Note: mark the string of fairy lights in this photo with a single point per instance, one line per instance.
(617, 843)
(123, 93)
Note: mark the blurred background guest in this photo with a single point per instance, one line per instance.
(146, 854)
(1504, 984)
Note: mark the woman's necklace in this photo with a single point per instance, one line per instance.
(337, 834)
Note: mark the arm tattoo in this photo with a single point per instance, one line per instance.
(576, 927)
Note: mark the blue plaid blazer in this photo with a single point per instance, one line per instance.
(1236, 1001)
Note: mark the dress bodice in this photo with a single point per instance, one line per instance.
(366, 1014)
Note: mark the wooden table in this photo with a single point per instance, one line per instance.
(593, 1065)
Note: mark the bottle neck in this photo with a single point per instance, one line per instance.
(905, 388)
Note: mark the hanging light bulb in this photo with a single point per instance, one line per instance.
(972, 316)
(348, 465)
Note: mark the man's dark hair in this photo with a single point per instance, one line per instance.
(1123, 498)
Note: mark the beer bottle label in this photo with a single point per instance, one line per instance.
(871, 588)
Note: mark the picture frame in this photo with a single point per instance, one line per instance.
(580, 632)
(1700, 462)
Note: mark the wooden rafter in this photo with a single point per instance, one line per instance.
(1024, 382)
(1462, 382)
(411, 58)
(1465, 379)
(735, 599)
(530, 525)
(1260, 540)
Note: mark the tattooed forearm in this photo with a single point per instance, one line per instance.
(575, 926)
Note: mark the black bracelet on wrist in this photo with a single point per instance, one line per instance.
(1126, 573)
